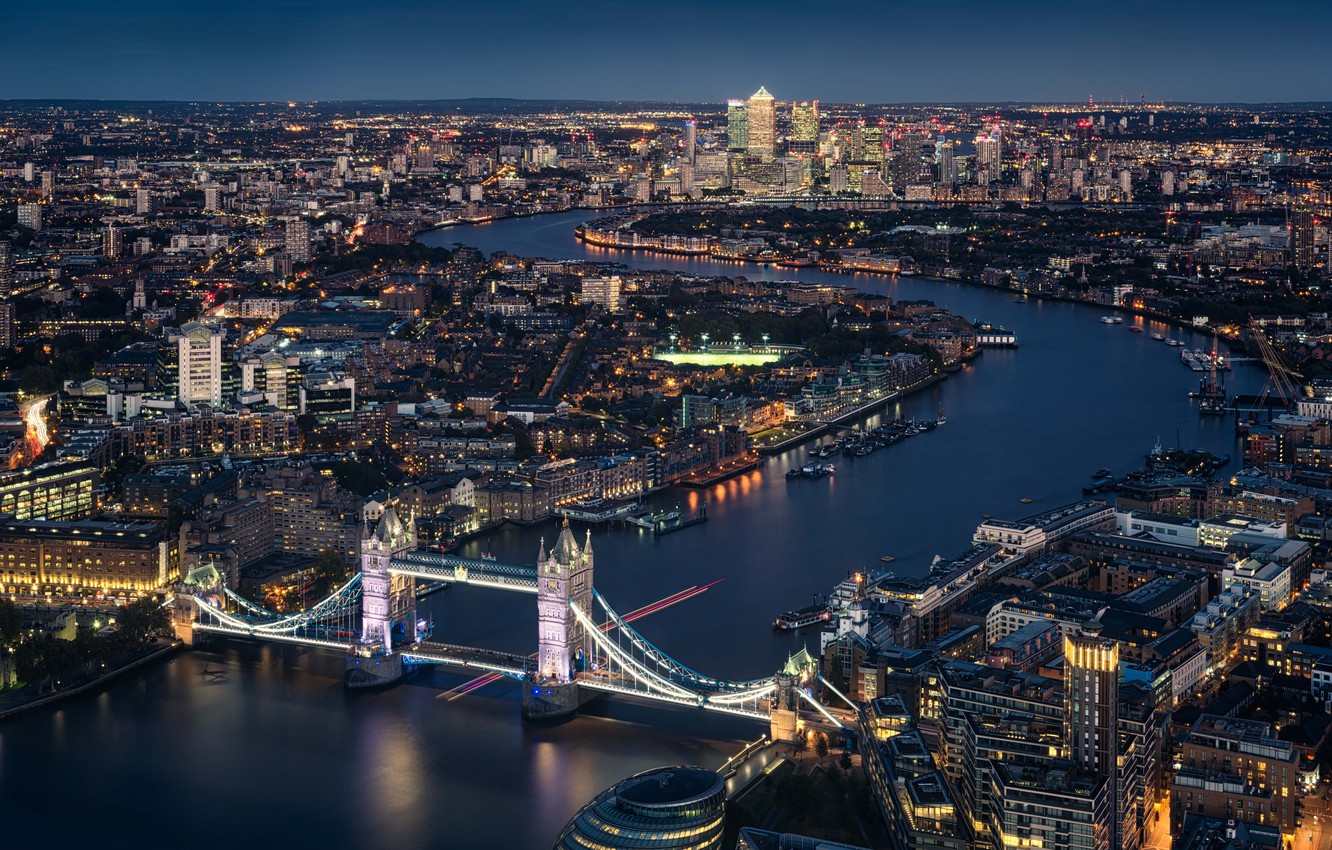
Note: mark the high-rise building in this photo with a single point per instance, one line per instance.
(6, 269)
(690, 140)
(298, 240)
(1091, 708)
(1302, 238)
(198, 364)
(143, 202)
(906, 162)
(805, 125)
(212, 199)
(6, 323)
(737, 126)
(1167, 183)
(30, 216)
(988, 158)
(29, 172)
(48, 184)
(113, 243)
(762, 124)
(602, 290)
(871, 140)
(947, 165)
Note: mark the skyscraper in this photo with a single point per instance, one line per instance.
(1091, 708)
(805, 127)
(198, 364)
(48, 184)
(298, 240)
(737, 126)
(143, 202)
(6, 325)
(6, 269)
(113, 243)
(762, 124)
(871, 140)
(30, 216)
(906, 163)
(690, 140)
(947, 165)
(988, 158)
(1302, 238)
(212, 198)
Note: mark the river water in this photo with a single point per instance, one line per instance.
(238, 744)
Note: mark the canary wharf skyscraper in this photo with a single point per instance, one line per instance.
(737, 126)
(805, 127)
(762, 124)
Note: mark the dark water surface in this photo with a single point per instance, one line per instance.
(247, 746)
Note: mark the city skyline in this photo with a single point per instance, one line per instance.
(1037, 52)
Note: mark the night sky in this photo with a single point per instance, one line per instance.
(687, 50)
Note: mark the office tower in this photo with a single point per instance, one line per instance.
(143, 202)
(198, 364)
(988, 159)
(48, 184)
(690, 140)
(837, 179)
(853, 144)
(871, 141)
(113, 243)
(212, 199)
(298, 240)
(906, 163)
(1091, 709)
(29, 172)
(30, 216)
(737, 126)
(762, 124)
(947, 165)
(6, 323)
(805, 127)
(1302, 238)
(6, 269)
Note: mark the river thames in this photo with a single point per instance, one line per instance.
(243, 745)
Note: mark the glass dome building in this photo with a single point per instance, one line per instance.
(667, 808)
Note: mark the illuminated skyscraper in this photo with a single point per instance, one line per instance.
(871, 140)
(762, 124)
(737, 126)
(947, 165)
(805, 127)
(1091, 709)
(906, 162)
(690, 139)
(988, 158)
(1302, 238)
(298, 240)
(6, 269)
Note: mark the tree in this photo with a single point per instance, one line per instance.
(821, 746)
(845, 761)
(11, 623)
(800, 745)
(329, 573)
(141, 618)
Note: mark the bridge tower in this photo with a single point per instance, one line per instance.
(564, 576)
(385, 599)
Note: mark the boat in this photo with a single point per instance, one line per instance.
(486, 556)
(1134, 329)
(1159, 337)
(803, 618)
(811, 470)
(1174, 343)
(1025, 501)
(1108, 320)
(1100, 473)
(1118, 320)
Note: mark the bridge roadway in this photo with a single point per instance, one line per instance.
(511, 664)
(433, 566)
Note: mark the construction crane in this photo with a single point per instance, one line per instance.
(1280, 377)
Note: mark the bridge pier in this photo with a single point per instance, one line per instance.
(552, 702)
(785, 713)
(371, 669)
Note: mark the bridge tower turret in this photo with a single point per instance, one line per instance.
(564, 576)
(385, 599)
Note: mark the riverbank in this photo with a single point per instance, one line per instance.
(24, 703)
(819, 429)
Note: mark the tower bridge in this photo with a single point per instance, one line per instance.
(584, 647)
